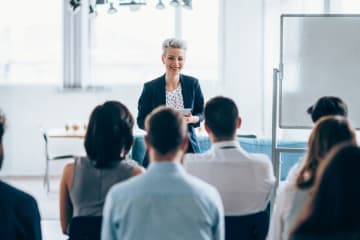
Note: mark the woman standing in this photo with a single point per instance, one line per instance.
(175, 90)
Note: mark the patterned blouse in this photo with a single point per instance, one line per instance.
(175, 98)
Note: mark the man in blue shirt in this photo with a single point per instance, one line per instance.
(165, 202)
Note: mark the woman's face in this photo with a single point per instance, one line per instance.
(174, 60)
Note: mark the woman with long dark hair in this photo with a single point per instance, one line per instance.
(85, 182)
(291, 196)
(333, 211)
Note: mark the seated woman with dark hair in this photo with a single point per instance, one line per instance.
(333, 211)
(291, 196)
(324, 106)
(85, 182)
(327, 106)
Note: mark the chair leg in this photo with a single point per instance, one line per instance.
(46, 177)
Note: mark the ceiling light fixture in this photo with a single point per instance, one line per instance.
(160, 5)
(112, 9)
(187, 4)
(134, 5)
(174, 3)
(75, 5)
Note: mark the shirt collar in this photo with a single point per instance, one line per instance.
(226, 144)
(166, 167)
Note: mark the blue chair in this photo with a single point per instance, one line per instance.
(250, 143)
(85, 228)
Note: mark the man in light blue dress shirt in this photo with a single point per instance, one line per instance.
(165, 202)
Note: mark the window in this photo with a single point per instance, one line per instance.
(30, 42)
(126, 46)
(200, 28)
(346, 6)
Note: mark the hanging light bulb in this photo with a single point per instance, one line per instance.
(75, 5)
(174, 3)
(133, 5)
(187, 4)
(92, 12)
(112, 9)
(160, 5)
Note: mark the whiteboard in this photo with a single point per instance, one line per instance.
(319, 56)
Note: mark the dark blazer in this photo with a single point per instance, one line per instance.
(20, 217)
(153, 95)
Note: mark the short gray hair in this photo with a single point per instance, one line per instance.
(173, 43)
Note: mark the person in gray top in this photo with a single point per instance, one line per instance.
(85, 182)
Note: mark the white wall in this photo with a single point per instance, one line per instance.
(29, 107)
(243, 60)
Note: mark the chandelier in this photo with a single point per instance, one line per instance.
(133, 5)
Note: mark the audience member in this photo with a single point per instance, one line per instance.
(166, 202)
(85, 182)
(20, 217)
(324, 106)
(291, 196)
(333, 210)
(245, 181)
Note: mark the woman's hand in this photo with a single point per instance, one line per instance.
(191, 119)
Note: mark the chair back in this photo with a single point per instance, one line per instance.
(248, 227)
(85, 228)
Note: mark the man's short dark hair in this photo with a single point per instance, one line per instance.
(166, 129)
(326, 106)
(221, 115)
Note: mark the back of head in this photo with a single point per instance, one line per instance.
(328, 132)
(221, 116)
(166, 129)
(335, 206)
(109, 135)
(326, 106)
(173, 43)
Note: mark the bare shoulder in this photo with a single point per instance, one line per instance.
(69, 168)
(68, 173)
(137, 170)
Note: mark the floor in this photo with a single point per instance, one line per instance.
(48, 202)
